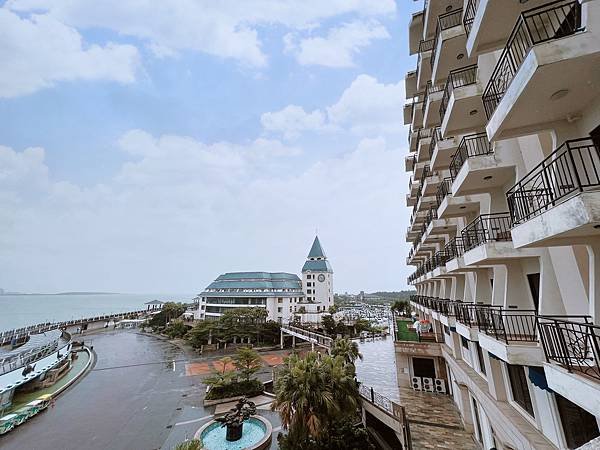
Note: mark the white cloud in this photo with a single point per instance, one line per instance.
(339, 47)
(226, 28)
(366, 107)
(184, 211)
(292, 121)
(39, 51)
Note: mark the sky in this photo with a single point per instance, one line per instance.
(150, 146)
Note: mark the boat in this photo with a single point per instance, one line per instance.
(40, 403)
(23, 414)
(7, 423)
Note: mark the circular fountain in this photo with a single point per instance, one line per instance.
(239, 429)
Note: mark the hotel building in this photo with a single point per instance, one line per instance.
(285, 296)
(504, 156)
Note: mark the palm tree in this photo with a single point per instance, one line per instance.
(347, 349)
(312, 392)
(194, 444)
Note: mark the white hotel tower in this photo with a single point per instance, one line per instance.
(504, 114)
(284, 295)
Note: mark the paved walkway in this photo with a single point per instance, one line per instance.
(434, 421)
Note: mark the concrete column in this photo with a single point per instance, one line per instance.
(517, 289)
(469, 291)
(594, 280)
(495, 379)
(499, 288)
(444, 291)
(312, 346)
(483, 287)
(458, 287)
(293, 341)
(551, 302)
(281, 340)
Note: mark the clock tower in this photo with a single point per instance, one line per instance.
(317, 280)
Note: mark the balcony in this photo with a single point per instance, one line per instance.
(442, 150)
(432, 99)
(461, 108)
(547, 67)
(557, 203)
(415, 31)
(470, 146)
(410, 161)
(423, 65)
(487, 228)
(450, 206)
(421, 142)
(572, 348)
(470, 316)
(448, 51)
(410, 84)
(511, 335)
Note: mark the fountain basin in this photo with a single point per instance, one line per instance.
(256, 435)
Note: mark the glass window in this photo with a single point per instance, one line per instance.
(465, 342)
(519, 388)
(480, 358)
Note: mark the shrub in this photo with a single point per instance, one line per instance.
(249, 388)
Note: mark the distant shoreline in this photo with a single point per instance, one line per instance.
(7, 294)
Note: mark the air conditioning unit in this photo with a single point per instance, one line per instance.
(417, 384)
(428, 384)
(440, 386)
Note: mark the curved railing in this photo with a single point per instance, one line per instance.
(551, 21)
(16, 360)
(570, 169)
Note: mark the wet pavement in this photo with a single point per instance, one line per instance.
(137, 396)
(378, 366)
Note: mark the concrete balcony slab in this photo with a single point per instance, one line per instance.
(571, 222)
(522, 353)
(464, 112)
(449, 321)
(415, 32)
(558, 79)
(443, 153)
(482, 173)
(417, 116)
(423, 70)
(423, 149)
(407, 113)
(581, 390)
(458, 206)
(470, 333)
(409, 162)
(494, 253)
(431, 115)
(450, 53)
(410, 84)
(418, 348)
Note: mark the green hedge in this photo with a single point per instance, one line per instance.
(248, 388)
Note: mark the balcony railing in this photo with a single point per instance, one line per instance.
(445, 21)
(573, 342)
(436, 136)
(573, 168)
(472, 145)
(509, 325)
(474, 315)
(457, 78)
(444, 189)
(426, 46)
(431, 88)
(454, 248)
(422, 134)
(487, 228)
(535, 26)
(469, 17)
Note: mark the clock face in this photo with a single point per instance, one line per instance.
(321, 278)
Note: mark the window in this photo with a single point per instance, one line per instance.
(534, 287)
(279, 309)
(279, 300)
(423, 367)
(465, 342)
(578, 424)
(479, 435)
(480, 358)
(519, 388)
(446, 330)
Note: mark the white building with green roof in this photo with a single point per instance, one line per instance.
(283, 295)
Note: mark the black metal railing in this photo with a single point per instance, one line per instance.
(412, 160)
(509, 325)
(472, 145)
(457, 78)
(487, 228)
(573, 342)
(570, 169)
(431, 88)
(435, 138)
(443, 190)
(454, 248)
(469, 17)
(474, 315)
(426, 45)
(535, 26)
(445, 21)
(422, 134)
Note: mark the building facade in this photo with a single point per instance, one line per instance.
(504, 156)
(284, 296)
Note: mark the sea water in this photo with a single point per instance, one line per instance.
(17, 311)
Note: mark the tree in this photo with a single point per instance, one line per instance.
(341, 435)
(401, 307)
(333, 309)
(169, 311)
(329, 324)
(200, 333)
(302, 310)
(313, 391)
(346, 349)
(222, 374)
(247, 362)
(362, 325)
(176, 329)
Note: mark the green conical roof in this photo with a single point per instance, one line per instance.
(316, 251)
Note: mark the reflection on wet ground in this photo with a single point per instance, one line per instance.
(378, 367)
